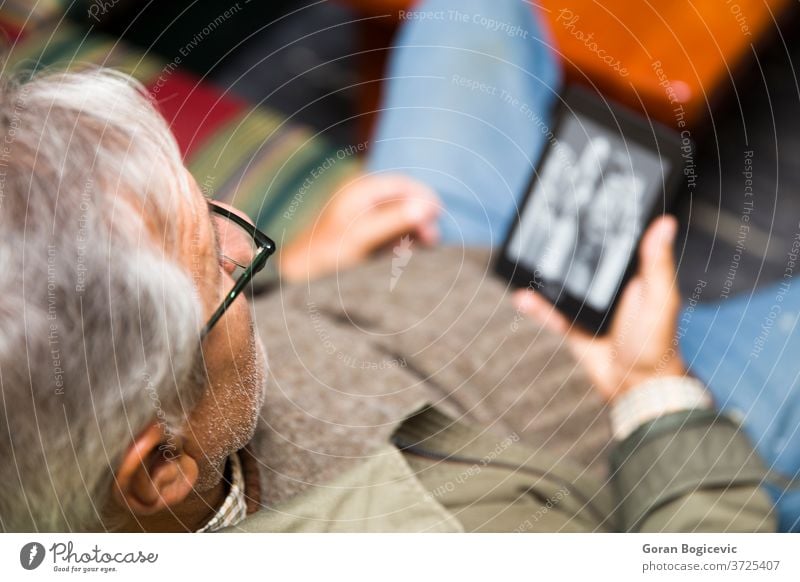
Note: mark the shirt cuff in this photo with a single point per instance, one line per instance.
(656, 398)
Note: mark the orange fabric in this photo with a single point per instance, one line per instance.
(656, 55)
(667, 53)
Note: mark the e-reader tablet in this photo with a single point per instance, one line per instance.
(605, 173)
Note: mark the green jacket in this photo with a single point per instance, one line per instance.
(689, 471)
(341, 445)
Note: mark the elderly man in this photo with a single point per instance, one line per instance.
(405, 395)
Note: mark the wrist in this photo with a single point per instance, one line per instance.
(639, 375)
(655, 398)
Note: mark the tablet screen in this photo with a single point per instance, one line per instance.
(593, 194)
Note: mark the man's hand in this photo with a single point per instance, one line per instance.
(641, 343)
(366, 214)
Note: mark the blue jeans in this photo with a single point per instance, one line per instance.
(747, 350)
(467, 110)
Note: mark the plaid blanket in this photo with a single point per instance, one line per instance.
(279, 173)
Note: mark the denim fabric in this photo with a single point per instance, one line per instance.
(467, 109)
(471, 84)
(747, 350)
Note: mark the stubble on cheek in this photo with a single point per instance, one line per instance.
(232, 409)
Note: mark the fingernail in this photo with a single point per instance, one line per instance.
(415, 210)
(669, 228)
(418, 210)
(429, 233)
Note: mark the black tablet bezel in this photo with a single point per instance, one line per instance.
(633, 127)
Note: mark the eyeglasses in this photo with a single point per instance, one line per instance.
(261, 248)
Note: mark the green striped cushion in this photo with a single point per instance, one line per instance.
(279, 173)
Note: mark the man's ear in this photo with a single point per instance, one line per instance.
(151, 476)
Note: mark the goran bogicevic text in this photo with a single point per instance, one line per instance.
(689, 549)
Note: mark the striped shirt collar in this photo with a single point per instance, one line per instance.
(234, 507)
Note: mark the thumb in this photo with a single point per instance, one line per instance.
(656, 257)
(543, 312)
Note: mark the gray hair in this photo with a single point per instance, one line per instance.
(99, 322)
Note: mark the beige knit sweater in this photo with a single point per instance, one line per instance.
(351, 356)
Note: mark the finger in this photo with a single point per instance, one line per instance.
(651, 297)
(429, 233)
(386, 187)
(539, 309)
(421, 206)
(632, 298)
(393, 219)
(657, 263)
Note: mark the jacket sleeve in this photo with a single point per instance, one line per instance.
(690, 471)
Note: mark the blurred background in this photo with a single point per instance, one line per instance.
(320, 65)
